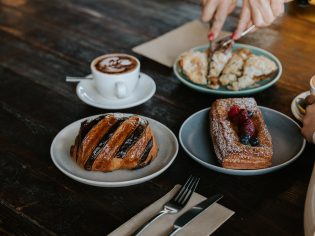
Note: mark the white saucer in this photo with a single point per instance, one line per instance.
(60, 154)
(145, 89)
(295, 111)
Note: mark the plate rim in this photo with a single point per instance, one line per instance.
(119, 183)
(235, 171)
(126, 106)
(231, 92)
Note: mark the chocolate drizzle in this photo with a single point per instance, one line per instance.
(131, 140)
(89, 163)
(145, 154)
(86, 126)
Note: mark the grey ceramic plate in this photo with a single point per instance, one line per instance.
(60, 154)
(194, 137)
(260, 86)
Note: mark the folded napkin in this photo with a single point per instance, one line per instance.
(166, 48)
(204, 224)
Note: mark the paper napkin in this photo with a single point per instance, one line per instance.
(166, 48)
(204, 224)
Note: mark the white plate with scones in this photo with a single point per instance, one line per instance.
(236, 70)
(265, 141)
(114, 149)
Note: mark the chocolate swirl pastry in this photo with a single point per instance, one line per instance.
(114, 141)
(116, 64)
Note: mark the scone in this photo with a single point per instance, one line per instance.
(239, 134)
(235, 70)
(234, 67)
(114, 141)
(244, 81)
(236, 63)
(259, 67)
(219, 59)
(195, 66)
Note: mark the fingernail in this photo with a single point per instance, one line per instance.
(233, 36)
(210, 36)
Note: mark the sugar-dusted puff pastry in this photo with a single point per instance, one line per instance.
(114, 141)
(231, 153)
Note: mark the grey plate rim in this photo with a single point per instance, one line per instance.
(239, 172)
(231, 92)
(120, 183)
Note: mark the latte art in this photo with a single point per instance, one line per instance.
(116, 64)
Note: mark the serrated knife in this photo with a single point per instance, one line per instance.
(193, 212)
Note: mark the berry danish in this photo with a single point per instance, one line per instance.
(239, 134)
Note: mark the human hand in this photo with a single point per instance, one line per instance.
(217, 11)
(308, 128)
(309, 100)
(261, 13)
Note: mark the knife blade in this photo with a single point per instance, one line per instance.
(193, 212)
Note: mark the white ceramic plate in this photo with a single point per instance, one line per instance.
(260, 86)
(145, 89)
(60, 154)
(288, 143)
(295, 111)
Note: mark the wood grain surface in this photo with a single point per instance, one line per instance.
(43, 41)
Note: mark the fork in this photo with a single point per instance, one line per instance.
(175, 204)
(228, 39)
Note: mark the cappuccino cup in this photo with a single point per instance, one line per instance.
(115, 75)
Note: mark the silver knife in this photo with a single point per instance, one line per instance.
(193, 212)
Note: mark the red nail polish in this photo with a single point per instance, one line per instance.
(210, 36)
(233, 36)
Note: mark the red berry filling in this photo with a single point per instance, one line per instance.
(234, 110)
(246, 127)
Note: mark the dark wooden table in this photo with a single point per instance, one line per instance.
(43, 41)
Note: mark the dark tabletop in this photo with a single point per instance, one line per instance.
(43, 41)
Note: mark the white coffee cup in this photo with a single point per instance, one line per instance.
(312, 85)
(115, 85)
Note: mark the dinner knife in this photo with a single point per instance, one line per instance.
(193, 212)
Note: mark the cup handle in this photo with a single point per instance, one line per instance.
(120, 89)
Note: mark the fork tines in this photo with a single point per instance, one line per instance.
(186, 190)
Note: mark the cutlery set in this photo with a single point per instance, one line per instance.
(177, 203)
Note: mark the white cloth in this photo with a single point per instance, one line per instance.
(309, 209)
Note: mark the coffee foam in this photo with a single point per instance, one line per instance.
(116, 64)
